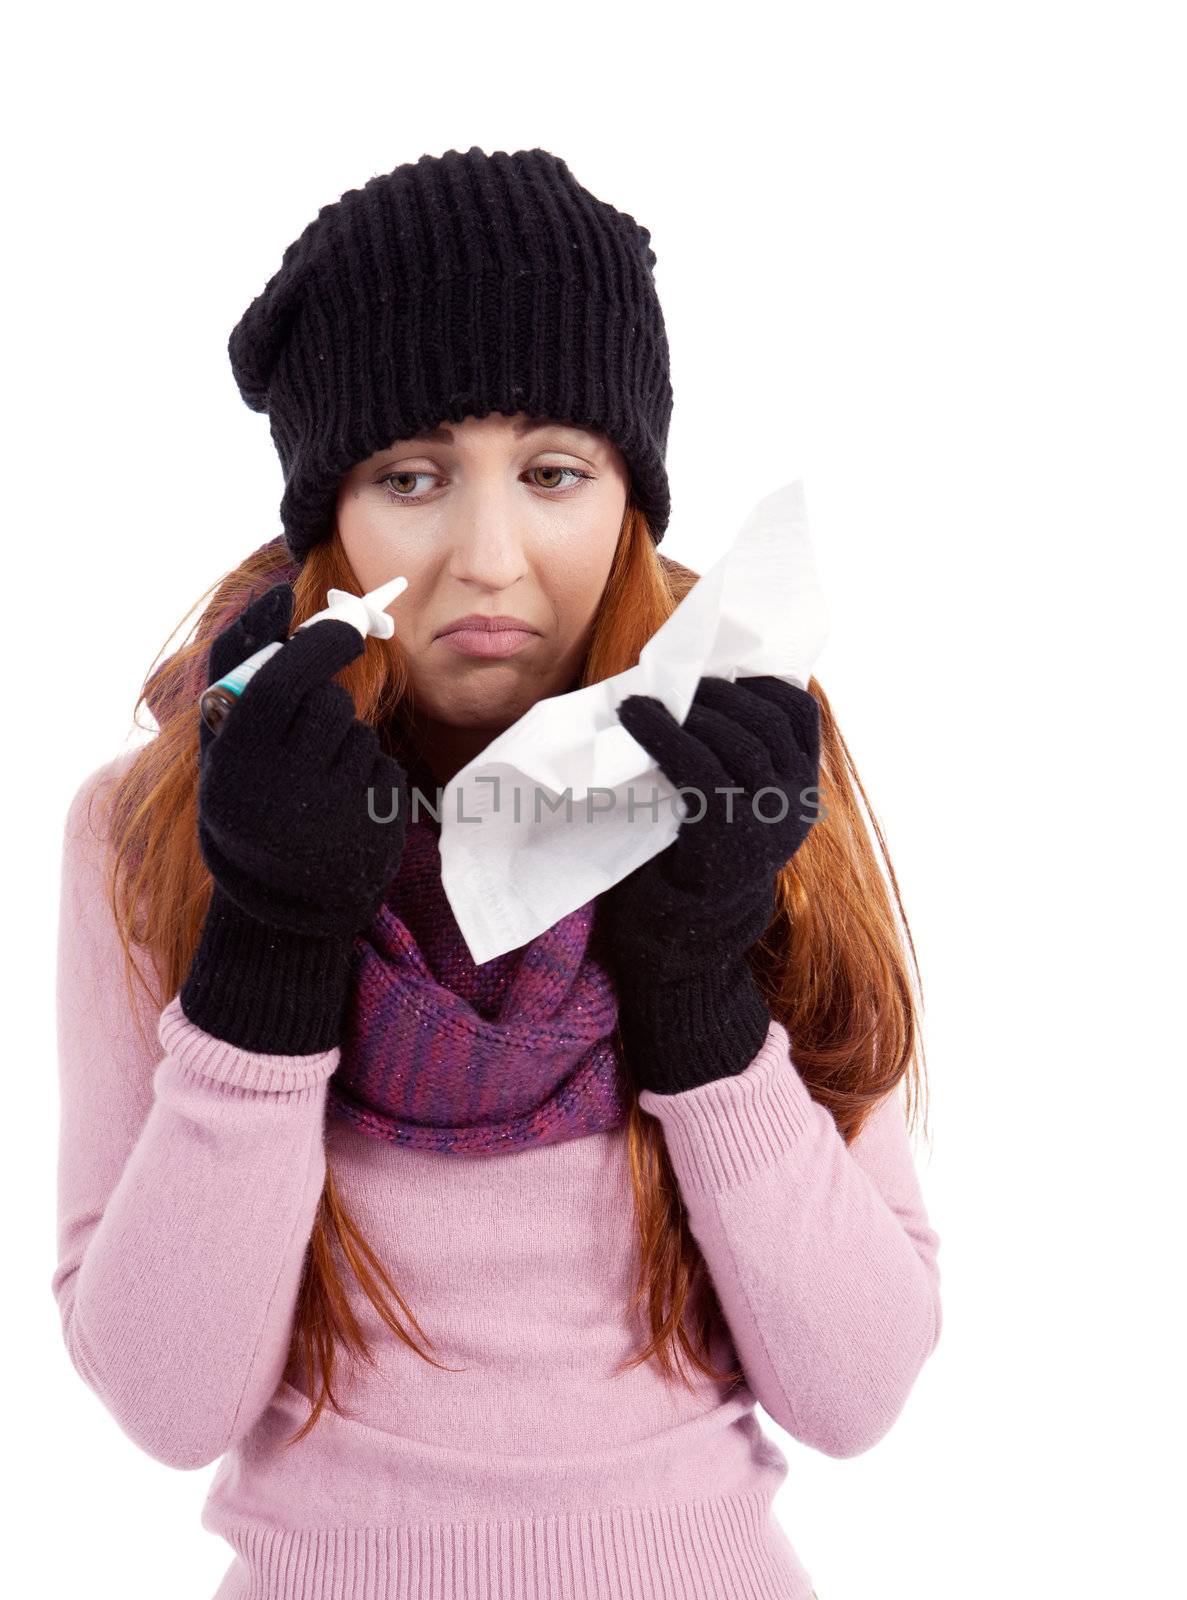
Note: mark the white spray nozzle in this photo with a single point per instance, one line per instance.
(366, 612)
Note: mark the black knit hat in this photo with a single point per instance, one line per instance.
(455, 286)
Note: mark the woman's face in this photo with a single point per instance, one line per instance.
(499, 516)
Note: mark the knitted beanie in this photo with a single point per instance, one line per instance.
(455, 286)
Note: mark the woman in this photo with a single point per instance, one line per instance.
(685, 1184)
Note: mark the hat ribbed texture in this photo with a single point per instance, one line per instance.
(454, 286)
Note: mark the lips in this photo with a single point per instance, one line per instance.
(487, 642)
(475, 621)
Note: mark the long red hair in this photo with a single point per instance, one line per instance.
(837, 965)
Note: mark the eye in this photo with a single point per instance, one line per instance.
(393, 478)
(572, 471)
(393, 482)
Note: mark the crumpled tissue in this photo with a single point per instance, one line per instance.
(565, 803)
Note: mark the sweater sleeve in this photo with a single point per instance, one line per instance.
(189, 1175)
(821, 1253)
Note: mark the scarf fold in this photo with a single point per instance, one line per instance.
(441, 1054)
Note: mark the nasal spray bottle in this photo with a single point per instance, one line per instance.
(365, 612)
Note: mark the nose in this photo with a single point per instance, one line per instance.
(488, 548)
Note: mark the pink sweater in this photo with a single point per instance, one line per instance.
(189, 1176)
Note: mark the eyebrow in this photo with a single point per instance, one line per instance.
(525, 426)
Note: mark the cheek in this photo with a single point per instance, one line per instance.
(372, 539)
(579, 584)
(580, 599)
(376, 554)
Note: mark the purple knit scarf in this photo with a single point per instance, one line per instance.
(442, 1054)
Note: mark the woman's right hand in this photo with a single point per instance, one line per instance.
(292, 792)
(301, 814)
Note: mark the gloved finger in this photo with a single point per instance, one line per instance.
(740, 740)
(357, 760)
(273, 695)
(648, 721)
(768, 714)
(265, 620)
(323, 719)
(801, 708)
(683, 759)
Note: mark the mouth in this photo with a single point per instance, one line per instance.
(494, 642)
(478, 635)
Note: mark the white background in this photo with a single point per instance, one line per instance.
(931, 258)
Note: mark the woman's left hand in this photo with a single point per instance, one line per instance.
(679, 927)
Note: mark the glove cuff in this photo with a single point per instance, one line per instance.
(680, 1035)
(264, 988)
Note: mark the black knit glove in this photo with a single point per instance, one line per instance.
(284, 825)
(679, 927)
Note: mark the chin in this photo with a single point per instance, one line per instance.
(486, 707)
(490, 696)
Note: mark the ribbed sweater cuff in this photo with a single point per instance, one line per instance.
(202, 1055)
(722, 1133)
(265, 989)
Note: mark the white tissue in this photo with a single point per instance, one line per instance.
(511, 867)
